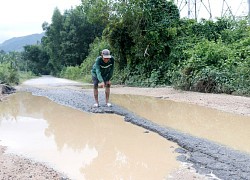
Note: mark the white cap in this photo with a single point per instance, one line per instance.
(106, 53)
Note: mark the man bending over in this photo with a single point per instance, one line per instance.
(102, 71)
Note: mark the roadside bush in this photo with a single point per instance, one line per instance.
(241, 78)
(124, 77)
(212, 81)
(207, 80)
(199, 71)
(71, 72)
(23, 75)
(120, 77)
(8, 74)
(214, 67)
(207, 53)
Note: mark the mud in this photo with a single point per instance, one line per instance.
(80, 144)
(206, 157)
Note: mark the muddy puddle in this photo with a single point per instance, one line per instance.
(224, 128)
(84, 145)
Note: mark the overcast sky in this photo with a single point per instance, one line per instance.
(25, 17)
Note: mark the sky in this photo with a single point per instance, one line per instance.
(24, 17)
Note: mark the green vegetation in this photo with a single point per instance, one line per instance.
(13, 69)
(8, 70)
(23, 76)
(219, 60)
(8, 74)
(151, 44)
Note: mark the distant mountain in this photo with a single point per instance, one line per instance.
(17, 43)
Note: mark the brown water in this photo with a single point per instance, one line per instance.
(83, 145)
(225, 128)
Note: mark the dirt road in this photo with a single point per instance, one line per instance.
(227, 103)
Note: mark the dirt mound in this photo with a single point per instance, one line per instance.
(5, 90)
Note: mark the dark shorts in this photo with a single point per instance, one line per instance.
(96, 81)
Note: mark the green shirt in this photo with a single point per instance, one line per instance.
(103, 71)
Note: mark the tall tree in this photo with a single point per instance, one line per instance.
(97, 11)
(52, 41)
(149, 26)
(68, 37)
(77, 34)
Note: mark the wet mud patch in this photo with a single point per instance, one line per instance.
(207, 157)
(225, 128)
(82, 145)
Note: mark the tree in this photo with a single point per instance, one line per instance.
(77, 34)
(52, 41)
(36, 59)
(141, 32)
(68, 37)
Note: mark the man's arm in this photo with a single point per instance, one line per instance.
(98, 70)
(111, 70)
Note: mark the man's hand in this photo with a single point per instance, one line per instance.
(101, 85)
(108, 83)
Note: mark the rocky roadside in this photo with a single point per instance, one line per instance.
(13, 167)
(5, 90)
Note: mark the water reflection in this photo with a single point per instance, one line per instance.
(83, 145)
(225, 128)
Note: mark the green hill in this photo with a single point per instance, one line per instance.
(17, 43)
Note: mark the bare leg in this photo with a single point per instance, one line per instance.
(107, 92)
(96, 95)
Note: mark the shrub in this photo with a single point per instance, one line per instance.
(71, 72)
(8, 74)
(26, 75)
